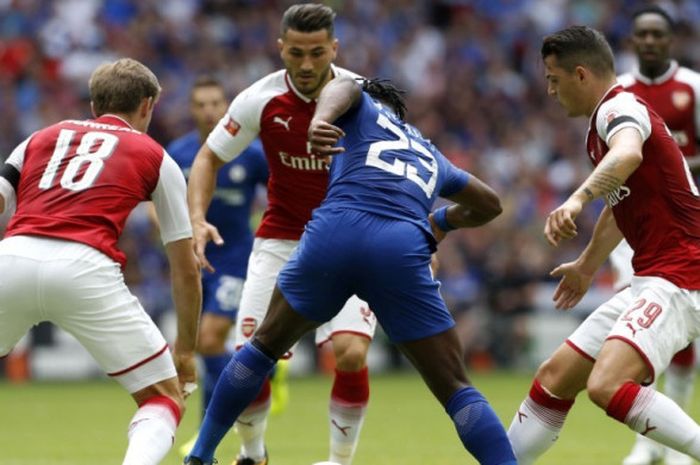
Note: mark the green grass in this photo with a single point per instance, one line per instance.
(85, 424)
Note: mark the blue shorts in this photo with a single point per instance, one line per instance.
(221, 294)
(384, 261)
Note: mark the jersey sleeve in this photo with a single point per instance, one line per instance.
(622, 111)
(170, 200)
(238, 127)
(10, 173)
(454, 179)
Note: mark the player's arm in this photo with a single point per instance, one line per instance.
(576, 276)
(200, 191)
(9, 178)
(9, 181)
(336, 98)
(624, 156)
(170, 202)
(475, 204)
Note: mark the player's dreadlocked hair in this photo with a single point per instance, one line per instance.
(384, 91)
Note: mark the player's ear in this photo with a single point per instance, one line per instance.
(335, 47)
(92, 109)
(280, 44)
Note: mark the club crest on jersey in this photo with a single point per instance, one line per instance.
(231, 125)
(617, 196)
(248, 326)
(681, 99)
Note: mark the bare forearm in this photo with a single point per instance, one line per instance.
(187, 296)
(461, 216)
(608, 176)
(337, 97)
(201, 185)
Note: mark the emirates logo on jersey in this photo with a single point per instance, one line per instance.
(231, 125)
(617, 196)
(681, 99)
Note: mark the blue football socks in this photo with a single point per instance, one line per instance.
(213, 366)
(238, 385)
(479, 428)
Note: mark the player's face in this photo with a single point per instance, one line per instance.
(651, 38)
(307, 56)
(566, 86)
(208, 106)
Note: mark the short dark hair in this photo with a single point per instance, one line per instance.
(119, 87)
(386, 92)
(206, 80)
(308, 17)
(656, 10)
(580, 46)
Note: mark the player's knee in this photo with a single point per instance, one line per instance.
(210, 343)
(352, 356)
(601, 389)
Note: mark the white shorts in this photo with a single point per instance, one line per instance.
(653, 315)
(266, 260)
(82, 291)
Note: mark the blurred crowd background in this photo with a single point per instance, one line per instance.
(475, 87)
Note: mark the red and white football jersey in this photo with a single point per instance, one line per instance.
(79, 180)
(280, 115)
(675, 96)
(658, 207)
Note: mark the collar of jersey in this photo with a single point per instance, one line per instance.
(290, 84)
(658, 80)
(122, 121)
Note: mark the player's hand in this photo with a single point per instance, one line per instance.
(186, 366)
(572, 287)
(204, 232)
(560, 223)
(438, 233)
(323, 138)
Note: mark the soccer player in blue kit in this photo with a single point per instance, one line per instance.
(372, 236)
(230, 211)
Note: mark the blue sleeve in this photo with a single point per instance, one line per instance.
(261, 169)
(453, 179)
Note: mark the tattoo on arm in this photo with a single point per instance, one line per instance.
(603, 181)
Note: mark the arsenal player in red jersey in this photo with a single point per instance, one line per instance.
(75, 183)
(673, 91)
(653, 202)
(278, 109)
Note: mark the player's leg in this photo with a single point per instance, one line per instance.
(678, 386)
(221, 297)
(91, 302)
(661, 320)
(350, 332)
(19, 297)
(266, 260)
(540, 418)
(395, 278)
(438, 358)
(243, 378)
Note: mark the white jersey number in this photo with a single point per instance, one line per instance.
(93, 149)
(400, 168)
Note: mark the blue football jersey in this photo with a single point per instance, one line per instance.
(231, 204)
(388, 168)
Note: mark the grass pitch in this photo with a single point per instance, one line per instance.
(85, 424)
